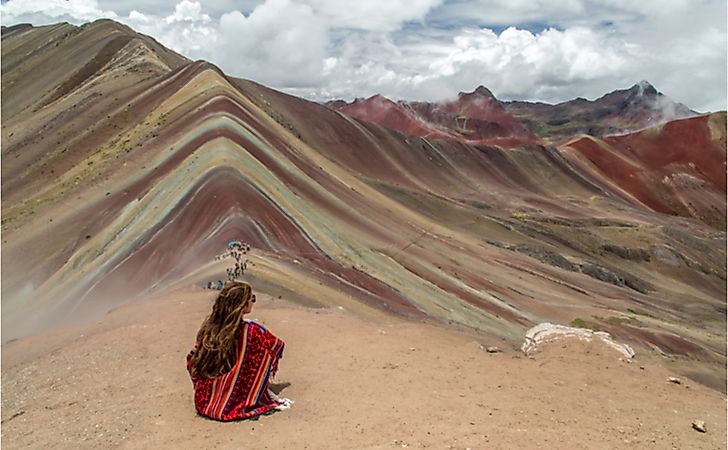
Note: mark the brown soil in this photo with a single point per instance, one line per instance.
(121, 382)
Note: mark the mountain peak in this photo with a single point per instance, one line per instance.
(480, 91)
(376, 99)
(644, 87)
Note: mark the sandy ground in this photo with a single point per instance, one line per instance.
(121, 382)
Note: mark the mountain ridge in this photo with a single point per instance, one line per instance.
(622, 111)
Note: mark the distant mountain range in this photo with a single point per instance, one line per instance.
(126, 168)
(479, 117)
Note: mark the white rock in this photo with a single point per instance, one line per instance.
(549, 332)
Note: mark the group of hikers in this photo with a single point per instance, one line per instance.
(236, 249)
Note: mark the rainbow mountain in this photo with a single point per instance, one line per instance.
(126, 168)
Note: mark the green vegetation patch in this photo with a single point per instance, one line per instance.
(639, 312)
(581, 323)
(614, 320)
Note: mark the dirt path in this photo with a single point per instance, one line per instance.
(121, 382)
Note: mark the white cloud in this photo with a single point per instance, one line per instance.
(539, 66)
(186, 30)
(158, 8)
(373, 15)
(187, 11)
(280, 42)
(42, 12)
(549, 50)
(679, 46)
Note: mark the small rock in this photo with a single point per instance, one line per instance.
(699, 425)
(492, 349)
(674, 380)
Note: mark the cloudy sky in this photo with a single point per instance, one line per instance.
(546, 50)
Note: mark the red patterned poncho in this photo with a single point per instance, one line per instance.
(242, 392)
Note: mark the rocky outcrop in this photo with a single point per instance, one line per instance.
(545, 333)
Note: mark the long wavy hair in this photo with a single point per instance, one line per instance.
(218, 338)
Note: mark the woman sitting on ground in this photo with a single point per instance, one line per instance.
(234, 360)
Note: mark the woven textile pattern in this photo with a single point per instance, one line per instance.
(242, 392)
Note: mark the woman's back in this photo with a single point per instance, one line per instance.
(242, 392)
(234, 360)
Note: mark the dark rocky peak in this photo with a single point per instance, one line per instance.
(480, 91)
(336, 104)
(638, 93)
(644, 88)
